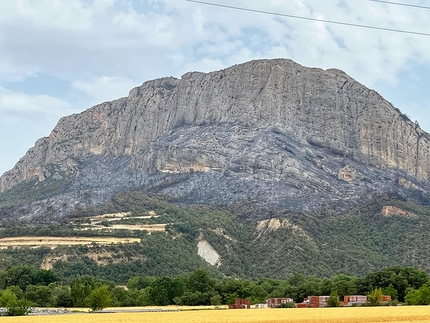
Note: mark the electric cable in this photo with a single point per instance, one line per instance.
(311, 19)
(401, 4)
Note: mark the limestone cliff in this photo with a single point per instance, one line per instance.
(270, 130)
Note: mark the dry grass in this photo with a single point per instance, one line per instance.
(324, 315)
(147, 227)
(112, 217)
(53, 242)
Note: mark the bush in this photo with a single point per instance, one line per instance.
(19, 308)
(287, 305)
(375, 297)
(333, 300)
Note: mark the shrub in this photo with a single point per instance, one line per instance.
(19, 308)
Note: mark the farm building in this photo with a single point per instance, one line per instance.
(354, 300)
(315, 301)
(386, 298)
(348, 300)
(240, 304)
(277, 302)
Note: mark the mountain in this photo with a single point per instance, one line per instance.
(262, 169)
(270, 131)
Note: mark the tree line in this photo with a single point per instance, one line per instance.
(24, 286)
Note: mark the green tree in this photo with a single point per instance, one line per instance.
(258, 294)
(200, 281)
(390, 290)
(39, 295)
(62, 297)
(99, 298)
(7, 297)
(142, 297)
(420, 296)
(216, 299)
(192, 299)
(333, 300)
(13, 305)
(80, 290)
(400, 278)
(229, 289)
(374, 298)
(140, 282)
(230, 298)
(344, 285)
(164, 290)
(122, 297)
(17, 291)
(21, 276)
(45, 277)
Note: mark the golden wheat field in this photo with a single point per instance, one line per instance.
(319, 315)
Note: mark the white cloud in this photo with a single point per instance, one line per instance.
(105, 88)
(23, 119)
(84, 38)
(20, 104)
(105, 47)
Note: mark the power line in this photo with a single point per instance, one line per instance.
(401, 4)
(311, 19)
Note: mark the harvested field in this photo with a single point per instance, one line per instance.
(17, 242)
(131, 227)
(318, 315)
(121, 215)
(96, 222)
(143, 227)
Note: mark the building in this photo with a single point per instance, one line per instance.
(316, 301)
(386, 299)
(277, 302)
(354, 300)
(240, 304)
(348, 300)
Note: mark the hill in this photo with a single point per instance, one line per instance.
(381, 233)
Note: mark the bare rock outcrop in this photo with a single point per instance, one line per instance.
(389, 210)
(270, 130)
(208, 253)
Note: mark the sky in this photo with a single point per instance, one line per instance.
(59, 57)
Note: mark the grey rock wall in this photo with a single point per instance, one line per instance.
(290, 130)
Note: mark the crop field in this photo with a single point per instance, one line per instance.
(120, 221)
(16, 242)
(321, 315)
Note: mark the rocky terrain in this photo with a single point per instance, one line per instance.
(268, 131)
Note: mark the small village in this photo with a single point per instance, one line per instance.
(309, 302)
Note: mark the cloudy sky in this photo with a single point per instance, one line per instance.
(59, 57)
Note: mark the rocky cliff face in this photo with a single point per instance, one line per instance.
(269, 130)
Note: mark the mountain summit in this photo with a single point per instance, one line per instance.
(270, 131)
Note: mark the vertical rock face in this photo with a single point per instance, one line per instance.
(263, 117)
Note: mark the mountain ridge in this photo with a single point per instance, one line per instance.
(268, 130)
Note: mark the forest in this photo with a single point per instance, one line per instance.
(328, 252)
(329, 242)
(24, 286)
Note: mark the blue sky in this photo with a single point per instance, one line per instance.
(61, 57)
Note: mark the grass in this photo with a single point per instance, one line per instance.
(323, 315)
